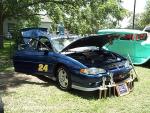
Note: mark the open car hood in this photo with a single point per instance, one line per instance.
(94, 40)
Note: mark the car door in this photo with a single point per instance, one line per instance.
(24, 58)
(44, 57)
(33, 59)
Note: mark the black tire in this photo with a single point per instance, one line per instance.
(63, 78)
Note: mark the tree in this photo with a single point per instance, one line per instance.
(21, 9)
(88, 16)
(79, 16)
(137, 23)
(145, 16)
(14, 9)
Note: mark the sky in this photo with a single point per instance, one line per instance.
(129, 5)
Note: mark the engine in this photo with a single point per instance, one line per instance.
(95, 58)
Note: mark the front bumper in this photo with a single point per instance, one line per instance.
(129, 83)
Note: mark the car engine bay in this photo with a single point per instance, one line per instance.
(95, 58)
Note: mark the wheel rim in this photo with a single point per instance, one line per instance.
(63, 78)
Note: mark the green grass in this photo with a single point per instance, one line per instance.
(28, 94)
(6, 55)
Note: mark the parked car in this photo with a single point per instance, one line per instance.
(76, 63)
(132, 43)
(147, 29)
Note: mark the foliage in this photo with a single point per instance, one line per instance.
(6, 55)
(78, 16)
(30, 22)
(143, 19)
(86, 16)
(18, 9)
(137, 23)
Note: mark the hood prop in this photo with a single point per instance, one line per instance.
(136, 79)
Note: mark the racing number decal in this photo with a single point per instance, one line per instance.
(43, 67)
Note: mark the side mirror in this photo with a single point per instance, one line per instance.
(46, 52)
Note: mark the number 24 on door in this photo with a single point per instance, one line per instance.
(43, 67)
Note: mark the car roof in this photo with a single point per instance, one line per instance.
(120, 31)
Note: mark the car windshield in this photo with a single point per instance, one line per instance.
(60, 43)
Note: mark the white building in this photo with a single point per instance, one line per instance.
(9, 24)
(45, 22)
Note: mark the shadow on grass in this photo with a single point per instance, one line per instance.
(146, 65)
(13, 80)
(82, 94)
(85, 95)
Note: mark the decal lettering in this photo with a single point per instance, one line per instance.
(42, 67)
(45, 68)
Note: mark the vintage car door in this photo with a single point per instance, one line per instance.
(125, 45)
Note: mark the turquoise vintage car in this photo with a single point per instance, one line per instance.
(132, 43)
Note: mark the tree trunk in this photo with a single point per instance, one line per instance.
(1, 32)
(1, 24)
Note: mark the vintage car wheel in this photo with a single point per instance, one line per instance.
(63, 78)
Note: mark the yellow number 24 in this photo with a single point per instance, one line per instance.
(43, 67)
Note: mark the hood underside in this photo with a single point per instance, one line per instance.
(94, 40)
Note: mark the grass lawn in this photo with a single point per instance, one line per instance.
(30, 94)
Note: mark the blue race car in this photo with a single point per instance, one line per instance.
(75, 63)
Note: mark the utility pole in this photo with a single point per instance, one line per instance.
(134, 14)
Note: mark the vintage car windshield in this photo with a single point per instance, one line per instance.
(60, 43)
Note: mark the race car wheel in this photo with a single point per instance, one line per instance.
(63, 78)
